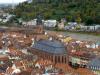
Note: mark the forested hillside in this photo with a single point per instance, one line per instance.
(87, 11)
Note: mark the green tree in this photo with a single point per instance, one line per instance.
(87, 11)
(89, 21)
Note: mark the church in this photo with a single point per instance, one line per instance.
(51, 50)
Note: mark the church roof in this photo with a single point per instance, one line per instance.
(95, 62)
(54, 47)
(2, 30)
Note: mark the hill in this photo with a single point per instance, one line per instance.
(87, 11)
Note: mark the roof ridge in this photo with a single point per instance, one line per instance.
(52, 45)
(49, 47)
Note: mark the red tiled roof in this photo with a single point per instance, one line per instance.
(66, 68)
(9, 70)
(44, 62)
(4, 58)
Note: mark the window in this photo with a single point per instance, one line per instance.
(51, 58)
(62, 59)
(55, 59)
(65, 60)
(58, 59)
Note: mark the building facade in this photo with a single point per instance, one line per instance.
(51, 50)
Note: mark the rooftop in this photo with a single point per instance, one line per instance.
(54, 47)
(95, 62)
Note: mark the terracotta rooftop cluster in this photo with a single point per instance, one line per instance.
(13, 50)
(16, 60)
(83, 47)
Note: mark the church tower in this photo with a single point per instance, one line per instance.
(39, 24)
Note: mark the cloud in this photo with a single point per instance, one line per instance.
(11, 1)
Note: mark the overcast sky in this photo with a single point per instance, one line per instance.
(11, 1)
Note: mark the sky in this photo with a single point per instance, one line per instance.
(11, 1)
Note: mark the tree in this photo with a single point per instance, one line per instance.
(78, 20)
(74, 10)
(89, 21)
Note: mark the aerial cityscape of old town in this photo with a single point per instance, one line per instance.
(49, 37)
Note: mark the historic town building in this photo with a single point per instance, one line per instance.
(94, 65)
(51, 50)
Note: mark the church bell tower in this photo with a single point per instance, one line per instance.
(39, 24)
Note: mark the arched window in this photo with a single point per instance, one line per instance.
(62, 59)
(55, 59)
(51, 58)
(65, 60)
(58, 59)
